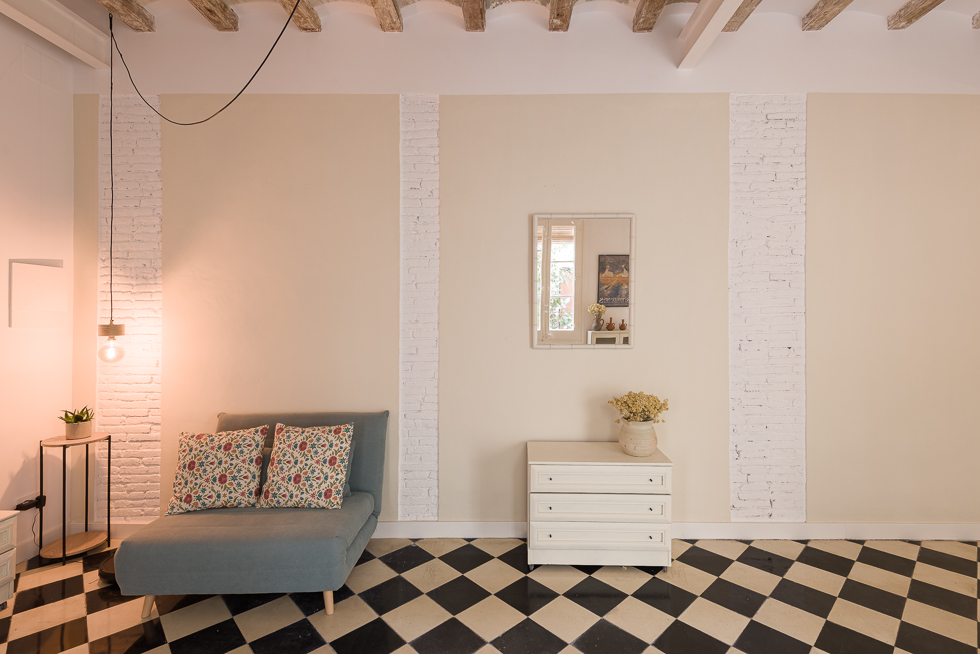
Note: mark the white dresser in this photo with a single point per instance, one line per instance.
(8, 555)
(592, 504)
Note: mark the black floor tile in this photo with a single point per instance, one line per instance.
(836, 639)
(216, 639)
(105, 597)
(765, 561)
(465, 558)
(941, 598)
(804, 598)
(833, 563)
(373, 638)
(298, 638)
(528, 637)
(757, 638)
(52, 640)
(389, 595)
(310, 603)
(4, 629)
(240, 603)
(526, 595)
(681, 638)
(664, 597)
(365, 557)
(734, 597)
(135, 640)
(595, 595)
(588, 569)
(876, 599)
(56, 591)
(92, 562)
(712, 563)
(458, 595)
(603, 637)
(169, 603)
(897, 564)
(948, 562)
(406, 558)
(516, 558)
(451, 637)
(922, 641)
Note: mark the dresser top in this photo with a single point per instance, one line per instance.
(588, 452)
(7, 514)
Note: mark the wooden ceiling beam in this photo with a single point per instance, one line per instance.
(305, 17)
(389, 15)
(218, 14)
(647, 13)
(130, 12)
(703, 27)
(560, 15)
(741, 14)
(475, 15)
(976, 21)
(822, 13)
(910, 12)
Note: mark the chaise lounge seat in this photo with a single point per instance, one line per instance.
(263, 550)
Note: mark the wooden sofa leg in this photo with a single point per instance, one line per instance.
(147, 606)
(328, 601)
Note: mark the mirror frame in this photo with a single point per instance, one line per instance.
(533, 291)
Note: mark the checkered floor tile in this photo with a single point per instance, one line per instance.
(448, 596)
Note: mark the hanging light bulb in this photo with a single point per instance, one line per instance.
(112, 351)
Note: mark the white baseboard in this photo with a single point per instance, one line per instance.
(708, 530)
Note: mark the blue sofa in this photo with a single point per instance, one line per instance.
(262, 550)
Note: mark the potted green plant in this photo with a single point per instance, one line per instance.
(78, 423)
(638, 413)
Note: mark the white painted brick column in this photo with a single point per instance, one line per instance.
(418, 398)
(128, 392)
(767, 352)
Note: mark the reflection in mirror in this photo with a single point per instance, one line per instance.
(578, 261)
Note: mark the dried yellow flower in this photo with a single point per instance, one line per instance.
(596, 310)
(639, 407)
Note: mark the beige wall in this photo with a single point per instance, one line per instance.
(893, 304)
(662, 157)
(280, 262)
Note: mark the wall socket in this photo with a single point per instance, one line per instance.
(37, 503)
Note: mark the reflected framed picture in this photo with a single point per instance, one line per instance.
(614, 280)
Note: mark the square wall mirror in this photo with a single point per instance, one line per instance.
(577, 261)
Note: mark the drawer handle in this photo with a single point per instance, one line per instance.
(549, 478)
(651, 537)
(549, 536)
(651, 508)
(549, 508)
(651, 481)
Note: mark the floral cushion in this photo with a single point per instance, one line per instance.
(218, 470)
(308, 467)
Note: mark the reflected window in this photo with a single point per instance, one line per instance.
(559, 275)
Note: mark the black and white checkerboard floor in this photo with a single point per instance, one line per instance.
(448, 596)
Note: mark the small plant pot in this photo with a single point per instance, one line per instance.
(78, 430)
(638, 438)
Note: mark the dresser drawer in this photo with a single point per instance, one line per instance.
(574, 507)
(7, 591)
(598, 536)
(7, 534)
(8, 563)
(599, 479)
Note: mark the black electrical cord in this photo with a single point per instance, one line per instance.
(174, 122)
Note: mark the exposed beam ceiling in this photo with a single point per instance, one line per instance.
(910, 12)
(389, 15)
(54, 22)
(305, 17)
(822, 13)
(647, 13)
(560, 15)
(130, 12)
(218, 14)
(703, 27)
(743, 12)
(475, 15)
(976, 21)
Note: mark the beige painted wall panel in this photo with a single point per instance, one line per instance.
(662, 157)
(893, 304)
(280, 262)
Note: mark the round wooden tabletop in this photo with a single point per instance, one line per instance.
(61, 441)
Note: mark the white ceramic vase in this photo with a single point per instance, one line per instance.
(638, 438)
(78, 430)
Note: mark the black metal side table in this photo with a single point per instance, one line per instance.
(76, 543)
